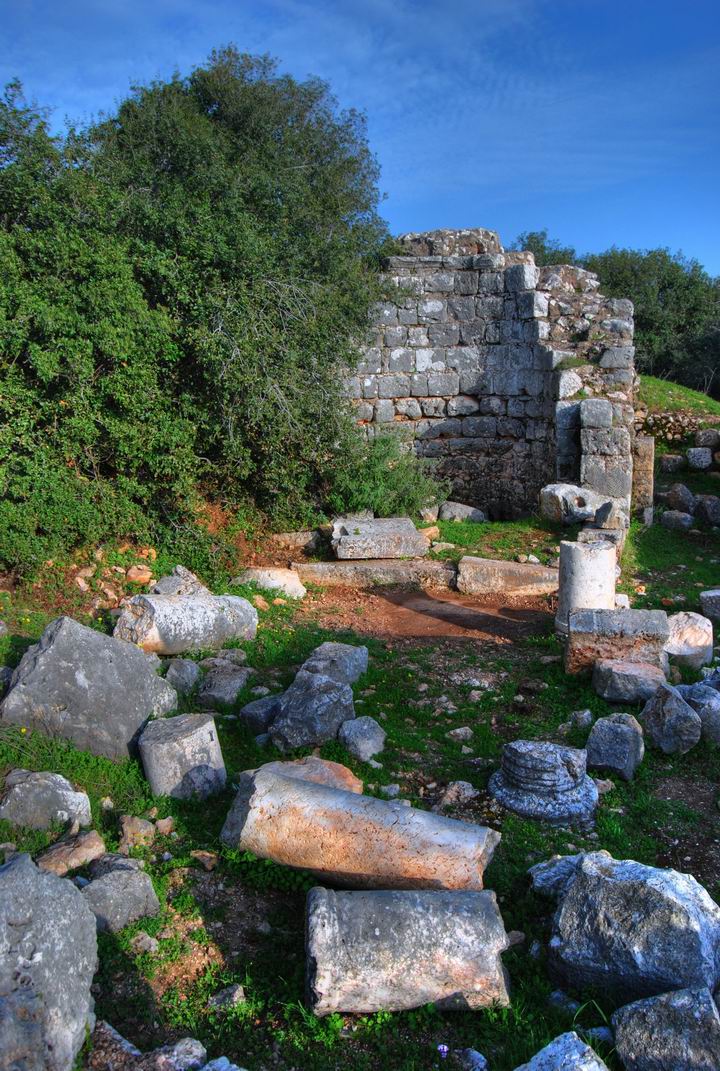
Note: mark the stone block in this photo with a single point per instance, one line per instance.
(596, 413)
(342, 662)
(173, 624)
(616, 744)
(628, 635)
(699, 458)
(643, 478)
(710, 603)
(567, 1052)
(626, 682)
(384, 411)
(311, 711)
(426, 947)
(458, 511)
(678, 1030)
(371, 574)
(394, 537)
(566, 503)
(181, 756)
(676, 521)
(363, 737)
(38, 800)
(670, 722)
(521, 277)
(183, 675)
(486, 576)
(443, 383)
(393, 386)
(462, 405)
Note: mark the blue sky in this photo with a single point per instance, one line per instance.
(598, 120)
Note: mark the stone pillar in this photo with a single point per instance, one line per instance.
(390, 951)
(643, 487)
(587, 579)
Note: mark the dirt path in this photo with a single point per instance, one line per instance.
(429, 615)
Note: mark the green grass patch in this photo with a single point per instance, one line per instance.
(664, 396)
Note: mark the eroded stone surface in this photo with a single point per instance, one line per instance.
(484, 576)
(320, 771)
(678, 1031)
(342, 662)
(457, 511)
(547, 781)
(627, 635)
(181, 756)
(311, 711)
(37, 800)
(690, 642)
(180, 582)
(670, 722)
(567, 1052)
(392, 537)
(173, 624)
(363, 737)
(616, 743)
(285, 580)
(119, 897)
(626, 682)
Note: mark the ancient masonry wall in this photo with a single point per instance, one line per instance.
(507, 376)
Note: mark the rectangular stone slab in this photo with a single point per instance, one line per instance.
(390, 951)
(368, 574)
(392, 537)
(485, 576)
(352, 840)
(627, 635)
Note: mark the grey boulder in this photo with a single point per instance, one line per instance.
(616, 744)
(311, 711)
(259, 715)
(120, 896)
(48, 956)
(458, 511)
(670, 722)
(678, 1031)
(174, 624)
(363, 737)
(180, 582)
(705, 701)
(181, 756)
(676, 521)
(708, 510)
(342, 662)
(222, 683)
(91, 689)
(633, 930)
(183, 674)
(626, 682)
(566, 1053)
(37, 800)
(681, 498)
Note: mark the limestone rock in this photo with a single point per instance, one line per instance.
(311, 711)
(457, 511)
(625, 635)
(672, 725)
(616, 743)
(394, 537)
(710, 603)
(364, 574)
(174, 624)
(439, 947)
(626, 682)
(135, 833)
(37, 800)
(222, 684)
(566, 1053)
(566, 503)
(699, 458)
(319, 771)
(363, 737)
(678, 1031)
(681, 498)
(48, 955)
(690, 642)
(342, 662)
(676, 521)
(633, 930)
(260, 714)
(485, 576)
(71, 852)
(22, 1045)
(554, 877)
(88, 688)
(285, 580)
(708, 510)
(180, 582)
(119, 897)
(546, 781)
(354, 840)
(706, 704)
(181, 756)
(183, 675)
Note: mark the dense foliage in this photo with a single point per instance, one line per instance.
(180, 286)
(677, 305)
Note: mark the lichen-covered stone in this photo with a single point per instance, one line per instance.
(678, 1031)
(181, 756)
(174, 624)
(342, 662)
(567, 1052)
(311, 711)
(37, 800)
(392, 537)
(616, 744)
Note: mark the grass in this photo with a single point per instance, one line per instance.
(206, 932)
(663, 396)
(503, 540)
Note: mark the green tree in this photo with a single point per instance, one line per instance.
(546, 250)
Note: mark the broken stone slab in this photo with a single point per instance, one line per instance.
(355, 841)
(174, 624)
(393, 537)
(342, 662)
(676, 521)
(183, 675)
(690, 642)
(568, 1052)
(710, 603)
(119, 897)
(180, 582)
(311, 711)
(308, 540)
(457, 511)
(486, 576)
(48, 956)
(378, 573)
(222, 684)
(83, 686)
(633, 931)
(625, 635)
(566, 503)
(260, 714)
(319, 771)
(363, 737)
(616, 743)
(181, 756)
(71, 852)
(547, 781)
(37, 800)
(285, 580)
(670, 722)
(626, 682)
(586, 579)
(678, 1031)
(391, 951)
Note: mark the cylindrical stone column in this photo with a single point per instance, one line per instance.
(587, 579)
(372, 951)
(352, 840)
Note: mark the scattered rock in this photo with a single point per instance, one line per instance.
(222, 684)
(48, 957)
(207, 860)
(554, 877)
(143, 943)
(676, 521)
(363, 737)
(706, 704)
(626, 682)
(311, 711)
(546, 781)
(632, 930)
(681, 498)
(566, 1053)
(672, 725)
(699, 458)
(456, 792)
(457, 511)
(180, 582)
(581, 719)
(671, 463)
(135, 833)
(470, 1060)
(708, 510)
(119, 897)
(616, 743)
(139, 574)
(463, 732)
(260, 602)
(342, 662)
(188, 1054)
(285, 580)
(228, 997)
(173, 624)
(181, 756)
(37, 800)
(71, 852)
(678, 1031)
(165, 826)
(260, 714)
(624, 635)
(84, 686)
(710, 603)
(566, 503)
(690, 642)
(183, 674)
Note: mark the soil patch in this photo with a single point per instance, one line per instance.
(696, 851)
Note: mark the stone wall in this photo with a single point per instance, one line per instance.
(487, 364)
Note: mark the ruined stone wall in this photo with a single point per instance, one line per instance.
(483, 361)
